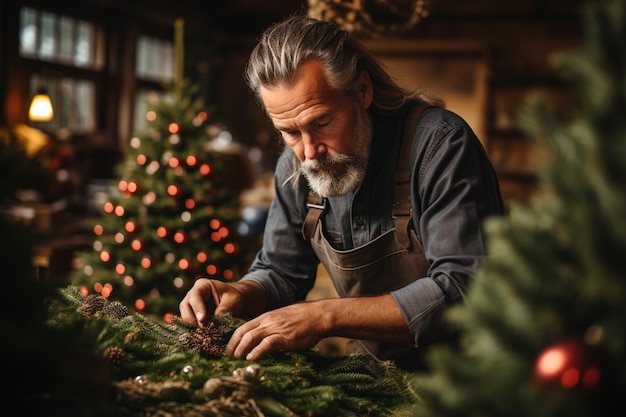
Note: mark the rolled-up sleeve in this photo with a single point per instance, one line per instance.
(455, 190)
(286, 265)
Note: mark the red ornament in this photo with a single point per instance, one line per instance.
(570, 364)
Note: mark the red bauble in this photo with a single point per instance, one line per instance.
(570, 364)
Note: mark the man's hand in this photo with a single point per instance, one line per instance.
(208, 298)
(295, 327)
(301, 326)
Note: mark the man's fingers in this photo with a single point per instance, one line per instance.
(193, 308)
(186, 312)
(267, 345)
(251, 343)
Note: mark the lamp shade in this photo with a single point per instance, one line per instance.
(40, 108)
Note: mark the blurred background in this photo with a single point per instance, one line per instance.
(100, 61)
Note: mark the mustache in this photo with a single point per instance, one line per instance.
(326, 160)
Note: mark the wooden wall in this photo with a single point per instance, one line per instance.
(509, 45)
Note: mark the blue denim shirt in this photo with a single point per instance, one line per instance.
(454, 189)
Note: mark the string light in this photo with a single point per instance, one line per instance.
(191, 160)
(130, 226)
(146, 262)
(136, 245)
(173, 190)
(105, 256)
(174, 162)
(205, 169)
(108, 207)
(190, 203)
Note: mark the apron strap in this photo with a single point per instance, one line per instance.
(316, 206)
(402, 213)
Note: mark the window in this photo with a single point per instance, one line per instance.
(72, 45)
(154, 63)
(155, 59)
(51, 37)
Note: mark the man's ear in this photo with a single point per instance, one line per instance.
(366, 90)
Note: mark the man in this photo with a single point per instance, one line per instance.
(392, 206)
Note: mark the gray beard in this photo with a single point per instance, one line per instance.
(352, 167)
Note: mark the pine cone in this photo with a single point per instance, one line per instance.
(207, 341)
(115, 310)
(130, 338)
(93, 304)
(114, 354)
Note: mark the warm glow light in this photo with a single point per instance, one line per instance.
(108, 207)
(149, 198)
(570, 378)
(107, 290)
(173, 190)
(179, 237)
(136, 245)
(130, 226)
(98, 230)
(202, 116)
(215, 237)
(202, 257)
(215, 224)
(178, 282)
(41, 108)
(152, 167)
(184, 264)
(141, 159)
(161, 232)
(551, 363)
(190, 203)
(174, 162)
(146, 263)
(122, 185)
(119, 211)
(205, 169)
(168, 317)
(119, 237)
(223, 231)
(151, 116)
(173, 128)
(120, 269)
(228, 274)
(230, 248)
(105, 256)
(140, 304)
(132, 187)
(211, 269)
(128, 281)
(191, 160)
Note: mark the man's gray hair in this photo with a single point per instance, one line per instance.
(284, 46)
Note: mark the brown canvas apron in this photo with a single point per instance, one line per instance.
(391, 261)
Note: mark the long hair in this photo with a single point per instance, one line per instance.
(284, 46)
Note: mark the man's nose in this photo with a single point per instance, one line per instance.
(313, 147)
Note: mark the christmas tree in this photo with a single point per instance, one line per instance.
(175, 215)
(544, 326)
